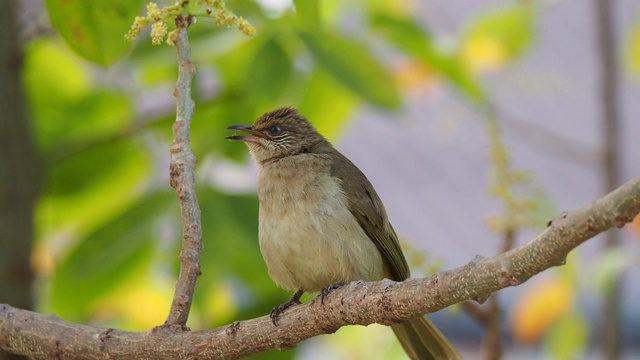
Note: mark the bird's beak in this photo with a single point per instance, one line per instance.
(248, 129)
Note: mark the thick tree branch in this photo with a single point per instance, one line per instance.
(385, 302)
(182, 178)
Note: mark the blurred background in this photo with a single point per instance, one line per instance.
(476, 122)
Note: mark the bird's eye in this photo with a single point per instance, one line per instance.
(275, 130)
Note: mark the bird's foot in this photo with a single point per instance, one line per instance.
(327, 290)
(276, 311)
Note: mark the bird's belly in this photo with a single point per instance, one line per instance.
(308, 241)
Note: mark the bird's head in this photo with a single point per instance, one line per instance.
(279, 133)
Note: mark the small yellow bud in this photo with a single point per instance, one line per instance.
(245, 27)
(153, 12)
(158, 31)
(140, 22)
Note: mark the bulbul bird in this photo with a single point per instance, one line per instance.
(322, 224)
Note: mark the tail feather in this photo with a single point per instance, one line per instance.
(422, 340)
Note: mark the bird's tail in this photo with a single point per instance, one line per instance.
(422, 340)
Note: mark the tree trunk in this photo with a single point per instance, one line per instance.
(19, 171)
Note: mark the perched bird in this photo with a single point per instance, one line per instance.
(321, 223)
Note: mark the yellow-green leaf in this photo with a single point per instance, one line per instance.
(568, 338)
(308, 12)
(269, 72)
(106, 257)
(407, 34)
(327, 104)
(351, 64)
(94, 29)
(498, 37)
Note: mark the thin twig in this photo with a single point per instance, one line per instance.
(182, 178)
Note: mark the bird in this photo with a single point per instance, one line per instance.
(321, 223)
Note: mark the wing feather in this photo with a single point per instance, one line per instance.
(368, 210)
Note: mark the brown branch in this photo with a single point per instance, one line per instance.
(385, 302)
(182, 178)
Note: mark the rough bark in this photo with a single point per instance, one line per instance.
(182, 178)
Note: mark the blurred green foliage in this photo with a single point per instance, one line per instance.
(89, 26)
(568, 338)
(108, 222)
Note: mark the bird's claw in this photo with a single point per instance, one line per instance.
(326, 290)
(276, 311)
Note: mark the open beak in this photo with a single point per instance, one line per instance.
(248, 129)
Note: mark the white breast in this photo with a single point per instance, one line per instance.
(308, 236)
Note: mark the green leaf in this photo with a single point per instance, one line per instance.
(270, 71)
(309, 12)
(103, 259)
(233, 66)
(568, 338)
(53, 75)
(327, 104)
(87, 168)
(509, 28)
(94, 29)
(351, 64)
(407, 35)
(84, 190)
(633, 49)
(68, 111)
